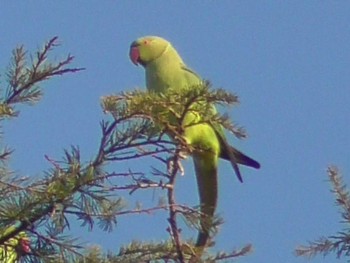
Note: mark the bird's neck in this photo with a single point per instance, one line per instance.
(168, 57)
(160, 72)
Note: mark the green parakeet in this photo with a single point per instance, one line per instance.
(166, 70)
(12, 250)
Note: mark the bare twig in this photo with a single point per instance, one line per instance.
(172, 211)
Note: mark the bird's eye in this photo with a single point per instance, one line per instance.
(145, 42)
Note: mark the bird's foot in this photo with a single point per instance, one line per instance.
(175, 163)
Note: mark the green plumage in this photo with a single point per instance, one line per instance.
(166, 70)
(11, 250)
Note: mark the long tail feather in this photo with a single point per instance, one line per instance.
(206, 173)
(240, 157)
(231, 154)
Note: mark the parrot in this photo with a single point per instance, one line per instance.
(164, 70)
(12, 250)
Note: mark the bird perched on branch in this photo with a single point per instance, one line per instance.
(14, 248)
(166, 70)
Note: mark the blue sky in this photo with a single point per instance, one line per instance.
(288, 61)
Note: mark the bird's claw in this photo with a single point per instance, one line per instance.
(171, 164)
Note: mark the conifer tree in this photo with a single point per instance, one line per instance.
(338, 243)
(36, 213)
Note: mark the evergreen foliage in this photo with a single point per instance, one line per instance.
(137, 126)
(338, 243)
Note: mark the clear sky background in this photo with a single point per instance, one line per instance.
(289, 62)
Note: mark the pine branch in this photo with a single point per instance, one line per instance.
(174, 230)
(25, 205)
(85, 189)
(339, 243)
(23, 78)
(161, 116)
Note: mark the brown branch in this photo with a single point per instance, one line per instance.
(37, 75)
(176, 208)
(172, 211)
(141, 185)
(68, 247)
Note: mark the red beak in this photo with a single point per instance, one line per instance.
(134, 55)
(25, 244)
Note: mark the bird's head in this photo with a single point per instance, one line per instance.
(146, 49)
